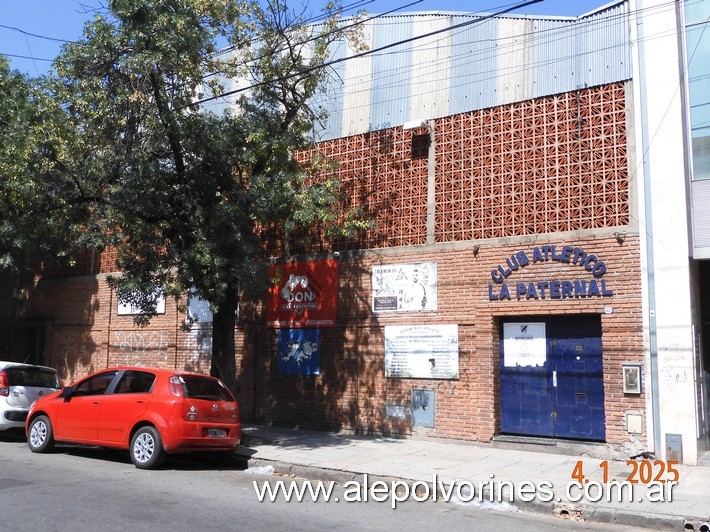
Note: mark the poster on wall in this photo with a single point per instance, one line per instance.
(422, 351)
(524, 344)
(299, 352)
(404, 287)
(302, 294)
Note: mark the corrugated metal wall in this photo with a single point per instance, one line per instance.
(484, 64)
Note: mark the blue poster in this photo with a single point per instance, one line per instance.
(299, 352)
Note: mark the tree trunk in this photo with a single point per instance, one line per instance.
(224, 364)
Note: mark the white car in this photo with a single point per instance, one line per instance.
(20, 386)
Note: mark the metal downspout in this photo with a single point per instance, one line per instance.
(648, 222)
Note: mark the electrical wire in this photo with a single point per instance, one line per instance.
(498, 48)
(367, 52)
(28, 34)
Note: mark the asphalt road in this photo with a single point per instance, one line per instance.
(88, 489)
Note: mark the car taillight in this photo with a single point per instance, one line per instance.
(4, 384)
(176, 386)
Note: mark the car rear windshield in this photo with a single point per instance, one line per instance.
(38, 377)
(196, 387)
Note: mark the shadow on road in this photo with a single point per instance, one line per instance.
(177, 462)
(12, 435)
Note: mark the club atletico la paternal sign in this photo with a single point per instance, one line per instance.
(302, 294)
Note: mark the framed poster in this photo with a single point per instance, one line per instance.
(524, 344)
(302, 294)
(422, 351)
(299, 352)
(404, 287)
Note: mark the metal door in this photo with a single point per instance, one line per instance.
(564, 396)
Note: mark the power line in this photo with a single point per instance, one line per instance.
(272, 53)
(498, 48)
(370, 52)
(28, 34)
(15, 56)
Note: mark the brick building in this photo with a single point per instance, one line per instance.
(529, 188)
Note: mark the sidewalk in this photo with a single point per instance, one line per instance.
(344, 457)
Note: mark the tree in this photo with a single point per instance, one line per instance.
(42, 209)
(181, 191)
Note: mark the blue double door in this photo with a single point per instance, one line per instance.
(560, 394)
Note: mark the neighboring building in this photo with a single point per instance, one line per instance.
(536, 270)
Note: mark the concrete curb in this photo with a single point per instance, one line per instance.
(583, 512)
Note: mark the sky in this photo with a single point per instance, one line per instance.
(32, 31)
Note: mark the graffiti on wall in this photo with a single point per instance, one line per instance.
(141, 347)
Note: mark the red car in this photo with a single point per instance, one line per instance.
(151, 412)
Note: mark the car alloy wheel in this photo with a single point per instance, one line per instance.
(40, 438)
(38, 434)
(147, 448)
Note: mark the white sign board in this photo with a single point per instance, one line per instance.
(524, 344)
(404, 287)
(125, 308)
(422, 351)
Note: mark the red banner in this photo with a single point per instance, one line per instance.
(302, 294)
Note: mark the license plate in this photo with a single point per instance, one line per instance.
(217, 433)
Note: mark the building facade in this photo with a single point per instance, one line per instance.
(534, 267)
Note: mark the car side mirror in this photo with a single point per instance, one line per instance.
(67, 393)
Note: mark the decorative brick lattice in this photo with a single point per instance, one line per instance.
(80, 263)
(379, 177)
(86, 262)
(553, 164)
(548, 165)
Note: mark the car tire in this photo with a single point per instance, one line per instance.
(147, 448)
(40, 436)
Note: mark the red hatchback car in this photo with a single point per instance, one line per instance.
(151, 412)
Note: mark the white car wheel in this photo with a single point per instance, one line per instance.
(40, 437)
(147, 448)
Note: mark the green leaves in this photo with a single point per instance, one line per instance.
(117, 150)
(39, 214)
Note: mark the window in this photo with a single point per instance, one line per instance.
(135, 382)
(420, 146)
(203, 388)
(41, 378)
(198, 309)
(96, 385)
(127, 307)
(698, 53)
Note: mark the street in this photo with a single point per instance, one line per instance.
(84, 489)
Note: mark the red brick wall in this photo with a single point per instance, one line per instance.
(352, 391)
(85, 332)
(549, 171)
